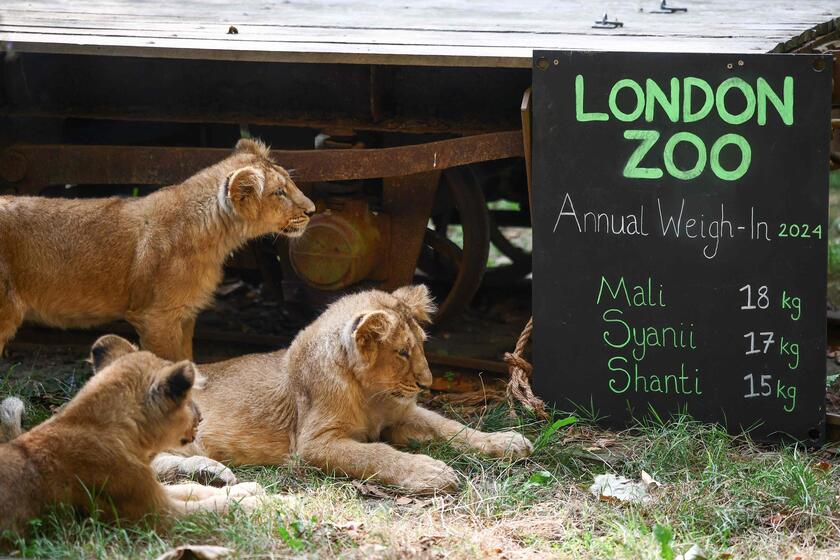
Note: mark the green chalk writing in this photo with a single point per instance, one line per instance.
(699, 165)
(783, 105)
(580, 114)
(746, 157)
(632, 170)
(640, 100)
(670, 104)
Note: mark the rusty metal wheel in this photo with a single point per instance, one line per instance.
(456, 244)
(520, 259)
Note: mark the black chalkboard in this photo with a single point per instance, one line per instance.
(680, 206)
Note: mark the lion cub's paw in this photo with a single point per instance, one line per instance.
(244, 489)
(250, 504)
(207, 471)
(426, 475)
(506, 444)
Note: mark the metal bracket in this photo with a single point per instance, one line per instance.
(605, 23)
(664, 8)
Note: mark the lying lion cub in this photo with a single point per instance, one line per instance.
(153, 261)
(348, 381)
(99, 446)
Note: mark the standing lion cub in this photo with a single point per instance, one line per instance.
(153, 261)
(96, 451)
(347, 384)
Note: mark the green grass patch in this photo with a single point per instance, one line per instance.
(729, 496)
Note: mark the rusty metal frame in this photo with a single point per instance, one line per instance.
(410, 175)
(26, 169)
(408, 200)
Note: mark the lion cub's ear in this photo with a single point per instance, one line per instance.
(107, 349)
(244, 186)
(175, 381)
(366, 331)
(418, 300)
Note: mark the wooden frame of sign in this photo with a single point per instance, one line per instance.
(680, 224)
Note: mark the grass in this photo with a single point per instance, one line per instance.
(833, 235)
(731, 497)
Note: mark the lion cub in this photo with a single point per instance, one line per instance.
(153, 261)
(97, 449)
(347, 383)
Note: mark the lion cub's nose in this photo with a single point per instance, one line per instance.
(308, 207)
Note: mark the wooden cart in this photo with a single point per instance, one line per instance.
(402, 118)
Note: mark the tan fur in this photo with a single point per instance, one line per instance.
(96, 451)
(340, 390)
(154, 261)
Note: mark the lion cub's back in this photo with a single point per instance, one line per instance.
(62, 255)
(248, 413)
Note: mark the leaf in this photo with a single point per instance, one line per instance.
(403, 501)
(546, 434)
(540, 477)
(369, 490)
(291, 540)
(696, 553)
(649, 482)
(824, 466)
(664, 535)
(599, 444)
(609, 487)
(353, 529)
(424, 503)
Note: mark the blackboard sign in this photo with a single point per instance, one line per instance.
(680, 207)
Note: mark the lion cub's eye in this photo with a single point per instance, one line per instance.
(403, 352)
(279, 192)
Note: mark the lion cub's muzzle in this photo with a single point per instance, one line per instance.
(296, 226)
(404, 392)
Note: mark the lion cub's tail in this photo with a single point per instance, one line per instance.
(11, 413)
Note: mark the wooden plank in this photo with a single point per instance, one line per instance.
(290, 38)
(535, 16)
(696, 27)
(435, 32)
(265, 33)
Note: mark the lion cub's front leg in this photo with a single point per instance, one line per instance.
(170, 467)
(420, 424)
(380, 462)
(162, 333)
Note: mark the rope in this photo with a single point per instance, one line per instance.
(519, 386)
